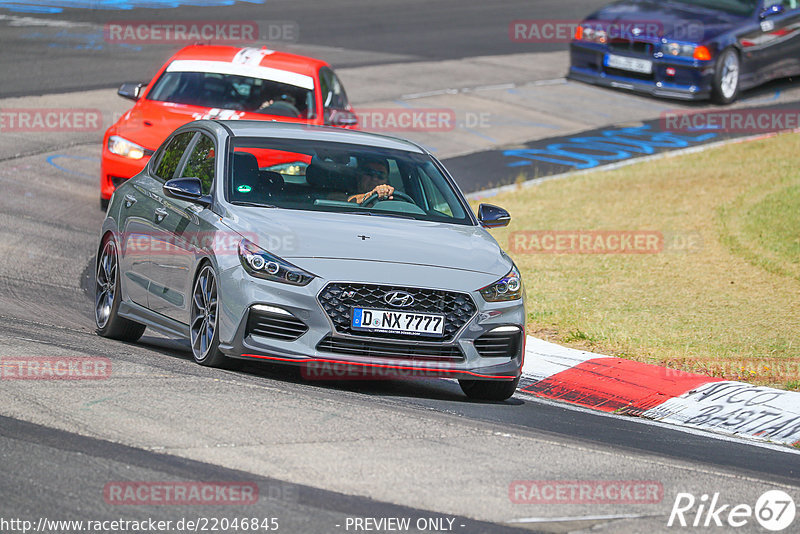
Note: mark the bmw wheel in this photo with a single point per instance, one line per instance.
(203, 331)
(726, 77)
(489, 389)
(108, 296)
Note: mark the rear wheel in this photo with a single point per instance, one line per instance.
(495, 390)
(726, 77)
(108, 296)
(204, 320)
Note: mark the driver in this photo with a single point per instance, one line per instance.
(372, 175)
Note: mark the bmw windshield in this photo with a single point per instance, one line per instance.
(338, 177)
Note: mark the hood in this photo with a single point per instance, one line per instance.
(298, 236)
(148, 123)
(674, 20)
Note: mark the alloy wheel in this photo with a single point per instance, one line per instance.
(204, 313)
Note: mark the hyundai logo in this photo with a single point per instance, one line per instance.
(399, 299)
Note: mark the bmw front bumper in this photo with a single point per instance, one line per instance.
(691, 81)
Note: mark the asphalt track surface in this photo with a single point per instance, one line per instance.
(45, 59)
(336, 450)
(591, 149)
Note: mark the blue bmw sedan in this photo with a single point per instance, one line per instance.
(688, 49)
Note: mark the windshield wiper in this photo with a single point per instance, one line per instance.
(373, 214)
(251, 204)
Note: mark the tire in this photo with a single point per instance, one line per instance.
(108, 296)
(104, 203)
(491, 390)
(727, 77)
(204, 320)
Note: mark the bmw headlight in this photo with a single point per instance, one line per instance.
(685, 50)
(591, 33)
(677, 49)
(507, 288)
(260, 263)
(127, 149)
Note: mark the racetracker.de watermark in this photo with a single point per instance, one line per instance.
(180, 493)
(766, 369)
(54, 368)
(586, 492)
(220, 243)
(199, 31)
(744, 121)
(603, 242)
(50, 120)
(329, 370)
(406, 119)
(602, 32)
(419, 119)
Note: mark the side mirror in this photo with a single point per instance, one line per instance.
(131, 90)
(341, 118)
(187, 189)
(771, 11)
(493, 217)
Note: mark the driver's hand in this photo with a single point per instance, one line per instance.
(383, 191)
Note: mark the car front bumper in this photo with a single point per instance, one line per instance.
(115, 170)
(692, 79)
(325, 352)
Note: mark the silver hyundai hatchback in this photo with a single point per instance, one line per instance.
(349, 254)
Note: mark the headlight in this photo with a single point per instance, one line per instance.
(686, 50)
(122, 147)
(507, 288)
(677, 50)
(591, 33)
(262, 264)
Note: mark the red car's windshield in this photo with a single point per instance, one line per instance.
(228, 91)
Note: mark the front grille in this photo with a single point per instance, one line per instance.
(426, 352)
(339, 299)
(498, 344)
(275, 325)
(642, 48)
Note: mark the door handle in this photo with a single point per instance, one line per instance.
(130, 200)
(161, 213)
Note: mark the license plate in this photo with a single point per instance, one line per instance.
(631, 64)
(397, 322)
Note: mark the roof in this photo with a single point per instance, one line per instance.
(252, 128)
(246, 61)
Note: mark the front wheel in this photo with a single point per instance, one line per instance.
(203, 331)
(492, 390)
(108, 296)
(725, 87)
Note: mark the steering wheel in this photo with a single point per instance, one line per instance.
(282, 109)
(373, 197)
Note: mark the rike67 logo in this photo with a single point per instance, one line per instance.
(774, 510)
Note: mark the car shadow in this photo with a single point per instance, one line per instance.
(442, 389)
(763, 94)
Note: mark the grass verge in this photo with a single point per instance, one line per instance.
(719, 293)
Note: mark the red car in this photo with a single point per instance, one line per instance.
(208, 82)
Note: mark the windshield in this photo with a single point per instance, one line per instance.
(337, 177)
(738, 7)
(229, 91)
